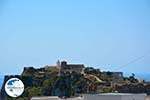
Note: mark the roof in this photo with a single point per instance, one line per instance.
(116, 94)
(77, 98)
(75, 64)
(45, 97)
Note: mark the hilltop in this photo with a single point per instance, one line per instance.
(69, 80)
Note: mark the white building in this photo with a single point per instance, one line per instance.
(102, 96)
(46, 98)
(78, 98)
(114, 96)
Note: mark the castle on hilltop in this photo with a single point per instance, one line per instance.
(61, 66)
(71, 67)
(64, 67)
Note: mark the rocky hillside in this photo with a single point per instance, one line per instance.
(47, 82)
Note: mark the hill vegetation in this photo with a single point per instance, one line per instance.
(51, 82)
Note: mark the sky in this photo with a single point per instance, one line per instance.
(107, 34)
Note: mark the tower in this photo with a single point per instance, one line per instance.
(58, 63)
(58, 66)
(63, 65)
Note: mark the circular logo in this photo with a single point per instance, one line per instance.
(14, 87)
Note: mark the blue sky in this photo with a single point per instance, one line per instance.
(106, 34)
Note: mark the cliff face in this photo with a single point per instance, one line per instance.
(134, 88)
(47, 82)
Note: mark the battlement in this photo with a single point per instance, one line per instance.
(71, 67)
(30, 69)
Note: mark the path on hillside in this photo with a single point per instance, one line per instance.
(89, 76)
